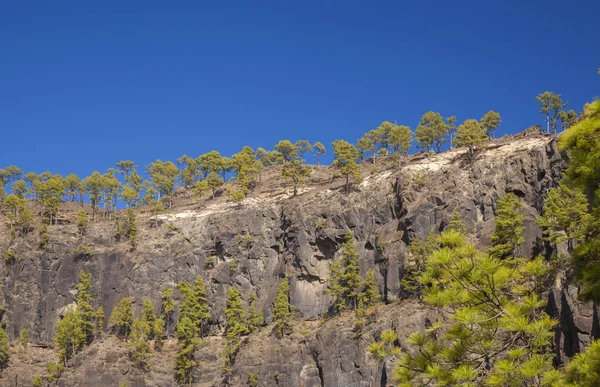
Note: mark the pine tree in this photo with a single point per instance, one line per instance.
(73, 186)
(365, 145)
(118, 230)
(139, 349)
(432, 130)
(194, 304)
(148, 316)
(567, 119)
(121, 318)
(158, 330)
(126, 168)
(493, 329)
(19, 188)
(282, 310)
(386, 346)
(256, 319)
(288, 150)
(302, 147)
(344, 280)
(456, 223)
(44, 236)
(37, 381)
(269, 159)
(419, 250)
(4, 351)
(70, 336)
(213, 162)
(551, 106)
(130, 196)
(51, 193)
(296, 173)
(94, 184)
(565, 216)
(509, 227)
(582, 140)
(20, 218)
(193, 324)
(24, 337)
(346, 156)
(167, 306)
(187, 335)
(214, 182)
(87, 316)
(163, 175)
(53, 371)
(320, 151)
(131, 231)
(583, 369)
(82, 221)
(472, 135)
(370, 294)
(399, 138)
(489, 122)
(235, 328)
(99, 320)
(190, 172)
(156, 208)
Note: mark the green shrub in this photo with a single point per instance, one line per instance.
(209, 263)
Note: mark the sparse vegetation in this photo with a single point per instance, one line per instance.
(233, 265)
(83, 251)
(253, 379)
(420, 179)
(9, 257)
(209, 263)
(82, 223)
(54, 370)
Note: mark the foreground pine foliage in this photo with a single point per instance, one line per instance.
(492, 329)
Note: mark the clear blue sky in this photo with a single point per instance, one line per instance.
(85, 84)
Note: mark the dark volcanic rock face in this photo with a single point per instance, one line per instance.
(272, 236)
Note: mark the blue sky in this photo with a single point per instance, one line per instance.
(86, 84)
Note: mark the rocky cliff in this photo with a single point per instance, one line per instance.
(271, 236)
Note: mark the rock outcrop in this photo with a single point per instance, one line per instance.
(272, 236)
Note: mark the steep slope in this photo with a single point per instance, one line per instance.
(272, 236)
